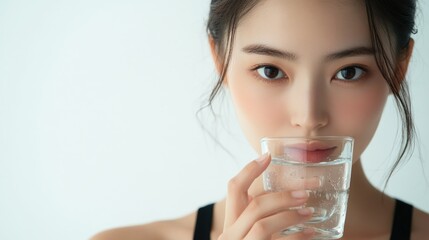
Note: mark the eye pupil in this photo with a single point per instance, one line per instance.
(348, 73)
(271, 72)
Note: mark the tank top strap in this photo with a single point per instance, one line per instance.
(402, 219)
(203, 224)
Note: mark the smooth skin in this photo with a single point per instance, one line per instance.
(298, 68)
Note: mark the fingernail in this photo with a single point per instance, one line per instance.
(262, 158)
(300, 194)
(321, 180)
(308, 231)
(306, 211)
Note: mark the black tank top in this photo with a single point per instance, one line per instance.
(401, 228)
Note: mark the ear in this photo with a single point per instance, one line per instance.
(405, 59)
(215, 55)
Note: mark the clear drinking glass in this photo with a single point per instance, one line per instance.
(297, 161)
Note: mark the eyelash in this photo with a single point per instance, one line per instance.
(255, 72)
(358, 66)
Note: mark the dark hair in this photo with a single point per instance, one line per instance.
(395, 17)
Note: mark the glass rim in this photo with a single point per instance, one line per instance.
(337, 138)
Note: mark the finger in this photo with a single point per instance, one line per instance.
(307, 183)
(267, 205)
(307, 233)
(238, 186)
(294, 184)
(265, 228)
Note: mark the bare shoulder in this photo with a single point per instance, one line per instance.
(181, 228)
(420, 224)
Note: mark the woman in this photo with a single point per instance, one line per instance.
(305, 68)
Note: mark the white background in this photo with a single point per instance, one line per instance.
(97, 118)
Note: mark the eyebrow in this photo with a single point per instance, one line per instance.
(351, 52)
(262, 49)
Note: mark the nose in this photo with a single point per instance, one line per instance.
(308, 106)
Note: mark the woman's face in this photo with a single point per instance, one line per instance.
(306, 68)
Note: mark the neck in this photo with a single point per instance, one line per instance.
(369, 210)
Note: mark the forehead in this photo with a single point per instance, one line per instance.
(306, 26)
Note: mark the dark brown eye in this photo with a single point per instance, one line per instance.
(270, 72)
(350, 73)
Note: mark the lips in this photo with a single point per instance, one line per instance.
(312, 152)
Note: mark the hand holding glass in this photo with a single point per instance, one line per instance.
(297, 161)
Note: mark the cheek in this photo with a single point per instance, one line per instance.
(358, 115)
(361, 114)
(259, 110)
